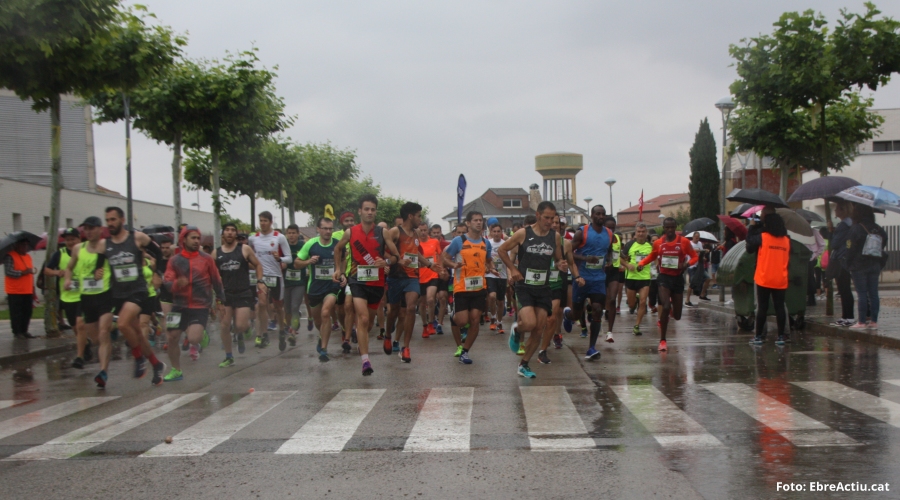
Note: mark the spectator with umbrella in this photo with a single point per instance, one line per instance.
(866, 256)
(772, 247)
(836, 269)
(19, 279)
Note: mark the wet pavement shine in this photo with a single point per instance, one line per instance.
(712, 418)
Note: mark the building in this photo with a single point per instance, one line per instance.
(508, 205)
(655, 210)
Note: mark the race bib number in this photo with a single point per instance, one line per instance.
(173, 321)
(597, 265)
(293, 275)
(536, 277)
(367, 273)
(253, 280)
(413, 260)
(474, 283)
(554, 275)
(270, 281)
(126, 273)
(93, 286)
(498, 265)
(669, 261)
(75, 284)
(324, 273)
(654, 271)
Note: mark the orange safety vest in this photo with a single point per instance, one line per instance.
(23, 285)
(772, 262)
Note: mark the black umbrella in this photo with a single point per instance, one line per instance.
(809, 216)
(10, 240)
(697, 225)
(822, 187)
(738, 213)
(157, 228)
(757, 197)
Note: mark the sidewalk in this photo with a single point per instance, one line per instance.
(887, 334)
(13, 350)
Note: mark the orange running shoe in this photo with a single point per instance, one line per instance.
(493, 326)
(662, 346)
(425, 333)
(404, 355)
(388, 347)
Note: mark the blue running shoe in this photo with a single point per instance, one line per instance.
(525, 371)
(464, 358)
(779, 340)
(319, 346)
(439, 329)
(584, 333)
(592, 354)
(272, 324)
(758, 340)
(514, 338)
(395, 346)
(323, 356)
(567, 323)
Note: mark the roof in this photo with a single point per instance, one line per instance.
(654, 204)
(568, 207)
(509, 191)
(489, 210)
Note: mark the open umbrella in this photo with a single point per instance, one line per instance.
(822, 187)
(698, 225)
(43, 243)
(10, 240)
(871, 196)
(757, 197)
(794, 222)
(157, 228)
(809, 216)
(738, 213)
(704, 236)
(737, 227)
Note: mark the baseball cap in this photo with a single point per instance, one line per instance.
(92, 221)
(71, 231)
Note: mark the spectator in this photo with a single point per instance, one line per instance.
(816, 247)
(772, 247)
(837, 269)
(866, 255)
(19, 287)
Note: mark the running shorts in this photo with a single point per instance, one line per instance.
(594, 290)
(137, 298)
(528, 296)
(397, 288)
(468, 301)
(72, 311)
(674, 284)
(150, 306)
(276, 291)
(182, 318)
(94, 306)
(239, 300)
(372, 294)
(636, 285)
(496, 285)
(423, 287)
(317, 300)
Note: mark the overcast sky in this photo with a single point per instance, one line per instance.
(424, 91)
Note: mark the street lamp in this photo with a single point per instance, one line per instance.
(725, 105)
(609, 182)
(587, 203)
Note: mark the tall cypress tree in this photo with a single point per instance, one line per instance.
(704, 186)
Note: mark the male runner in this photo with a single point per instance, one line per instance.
(470, 257)
(366, 276)
(592, 251)
(70, 298)
(637, 283)
(496, 281)
(124, 251)
(272, 250)
(443, 285)
(150, 308)
(295, 284)
(192, 277)
(671, 253)
(234, 262)
(615, 278)
(347, 315)
(167, 250)
(558, 284)
(317, 257)
(536, 249)
(428, 281)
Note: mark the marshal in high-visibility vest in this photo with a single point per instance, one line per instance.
(772, 262)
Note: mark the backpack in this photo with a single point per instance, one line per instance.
(873, 245)
(716, 256)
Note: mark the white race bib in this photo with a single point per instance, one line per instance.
(413, 260)
(475, 283)
(126, 273)
(366, 273)
(252, 277)
(669, 261)
(554, 275)
(293, 275)
(270, 281)
(324, 273)
(92, 286)
(536, 277)
(598, 265)
(498, 265)
(173, 321)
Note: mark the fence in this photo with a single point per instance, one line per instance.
(893, 248)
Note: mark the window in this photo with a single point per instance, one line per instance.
(512, 203)
(68, 222)
(17, 222)
(46, 224)
(885, 146)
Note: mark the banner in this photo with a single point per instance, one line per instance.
(641, 206)
(460, 198)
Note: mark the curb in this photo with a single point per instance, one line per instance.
(822, 329)
(38, 353)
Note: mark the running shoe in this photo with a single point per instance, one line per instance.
(292, 340)
(525, 371)
(248, 333)
(282, 341)
(78, 363)
(636, 330)
(395, 346)
(425, 333)
(323, 356)
(584, 333)
(464, 358)
(631, 311)
(174, 375)
(521, 350)
(619, 311)
(757, 340)
(662, 346)
(194, 353)
(319, 346)
(567, 323)
(654, 310)
(258, 342)
(228, 362)
(240, 343)
(779, 340)
(140, 367)
(557, 341)
(592, 354)
(335, 326)
(380, 336)
(481, 321)
(690, 304)
(459, 349)
(493, 325)
(609, 337)
(101, 379)
(272, 324)
(367, 368)
(345, 346)
(704, 297)
(405, 356)
(309, 325)
(158, 370)
(859, 326)
(185, 345)
(388, 347)
(873, 325)
(500, 330)
(514, 339)
(543, 358)
(439, 329)
(204, 340)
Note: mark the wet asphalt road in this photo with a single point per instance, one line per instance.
(713, 418)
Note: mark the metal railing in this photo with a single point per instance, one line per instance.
(893, 248)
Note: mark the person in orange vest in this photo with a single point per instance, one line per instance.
(19, 287)
(772, 247)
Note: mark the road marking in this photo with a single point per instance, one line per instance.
(873, 406)
(217, 428)
(445, 422)
(794, 426)
(49, 414)
(329, 430)
(669, 424)
(85, 438)
(893, 381)
(549, 412)
(6, 403)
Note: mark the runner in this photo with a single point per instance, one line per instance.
(496, 281)
(428, 281)
(166, 249)
(317, 257)
(637, 283)
(653, 296)
(272, 250)
(592, 251)
(295, 284)
(192, 277)
(558, 284)
(470, 257)
(89, 271)
(367, 263)
(150, 308)
(234, 262)
(673, 254)
(615, 278)
(346, 315)
(537, 248)
(124, 251)
(70, 298)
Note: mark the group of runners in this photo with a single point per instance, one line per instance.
(358, 273)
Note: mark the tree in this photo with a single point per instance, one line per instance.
(321, 174)
(704, 185)
(48, 48)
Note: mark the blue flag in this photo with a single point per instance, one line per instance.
(460, 198)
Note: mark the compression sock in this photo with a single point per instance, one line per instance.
(137, 352)
(595, 332)
(152, 358)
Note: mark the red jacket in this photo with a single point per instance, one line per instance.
(203, 279)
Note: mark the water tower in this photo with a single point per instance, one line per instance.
(559, 171)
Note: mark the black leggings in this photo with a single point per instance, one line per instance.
(762, 308)
(20, 307)
(846, 291)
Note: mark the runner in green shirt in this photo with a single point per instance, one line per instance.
(637, 283)
(317, 257)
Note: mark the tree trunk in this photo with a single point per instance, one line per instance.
(291, 210)
(217, 203)
(176, 180)
(785, 176)
(823, 171)
(51, 299)
(252, 212)
(129, 199)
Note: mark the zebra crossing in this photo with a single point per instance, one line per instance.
(444, 420)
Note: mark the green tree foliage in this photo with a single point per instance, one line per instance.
(320, 174)
(704, 185)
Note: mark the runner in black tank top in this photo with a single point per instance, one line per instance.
(125, 260)
(234, 269)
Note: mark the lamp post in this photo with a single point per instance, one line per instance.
(609, 182)
(725, 105)
(587, 203)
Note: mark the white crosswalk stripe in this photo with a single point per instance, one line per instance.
(549, 413)
(220, 426)
(794, 426)
(879, 408)
(329, 430)
(87, 437)
(445, 422)
(41, 417)
(6, 403)
(669, 424)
